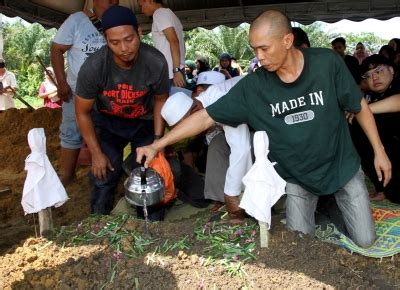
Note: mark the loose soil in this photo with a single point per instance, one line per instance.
(64, 262)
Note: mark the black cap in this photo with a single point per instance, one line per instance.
(118, 16)
(373, 61)
(225, 55)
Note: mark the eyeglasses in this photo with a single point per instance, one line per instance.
(379, 70)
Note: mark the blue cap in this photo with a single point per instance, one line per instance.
(118, 16)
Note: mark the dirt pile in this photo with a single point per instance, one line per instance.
(14, 127)
(68, 260)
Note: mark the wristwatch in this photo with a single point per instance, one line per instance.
(176, 69)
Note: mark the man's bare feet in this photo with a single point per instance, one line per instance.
(377, 196)
(236, 214)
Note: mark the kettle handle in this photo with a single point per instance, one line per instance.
(143, 172)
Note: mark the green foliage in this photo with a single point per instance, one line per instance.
(317, 36)
(320, 38)
(371, 42)
(147, 39)
(22, 43)
(211, 43)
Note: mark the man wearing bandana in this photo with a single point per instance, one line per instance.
(119, 100)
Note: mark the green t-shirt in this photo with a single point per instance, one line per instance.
(305, 120)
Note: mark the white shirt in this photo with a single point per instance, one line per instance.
(215, 92)
(264, 186)
(237, 138)
(6, 99)
(164, 18)
(79, 32)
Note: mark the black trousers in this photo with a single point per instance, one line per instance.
(391, 142)
(114, 134)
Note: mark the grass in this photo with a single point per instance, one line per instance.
(34, 102)
(221, 244)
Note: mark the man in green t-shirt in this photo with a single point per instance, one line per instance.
(299, 97)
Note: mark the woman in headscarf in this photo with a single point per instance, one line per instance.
(395, 43)
(190, 67)
(360, 53)
(225, 66)
(201, 66)
(388, 52)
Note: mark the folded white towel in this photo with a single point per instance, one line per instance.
(263, 185)
(42, 188)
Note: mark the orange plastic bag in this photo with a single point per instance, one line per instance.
(161, 165)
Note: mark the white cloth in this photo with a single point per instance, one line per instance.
(42, 188)
(263, 185)
(213, 94)
(6, 99)
(79, 32)
(164, 18)
(237, 138)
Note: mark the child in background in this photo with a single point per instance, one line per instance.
(48, 91)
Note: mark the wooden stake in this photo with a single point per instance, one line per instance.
(45, 222)
(264, 234)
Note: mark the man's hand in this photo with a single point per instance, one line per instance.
(100, 164)
(9, 90)
(64, 91)
(383, 165)
(179, 80)
(149, 152)
(226, 73)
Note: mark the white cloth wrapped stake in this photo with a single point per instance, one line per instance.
(42, 188)
(263, 185)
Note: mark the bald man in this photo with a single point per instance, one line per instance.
(299, 97)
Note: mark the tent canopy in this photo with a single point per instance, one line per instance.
(209, 14)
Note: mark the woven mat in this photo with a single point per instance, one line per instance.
(387, 223)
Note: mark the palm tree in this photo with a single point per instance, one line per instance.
(212, 43)
(22, 43)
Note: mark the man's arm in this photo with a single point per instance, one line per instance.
(159, 124)
(382, 162)
(100, 162)
(388, 105)
(173, 40)
(57, 61)
(191, 126)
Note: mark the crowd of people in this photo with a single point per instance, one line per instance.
(330, 116)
